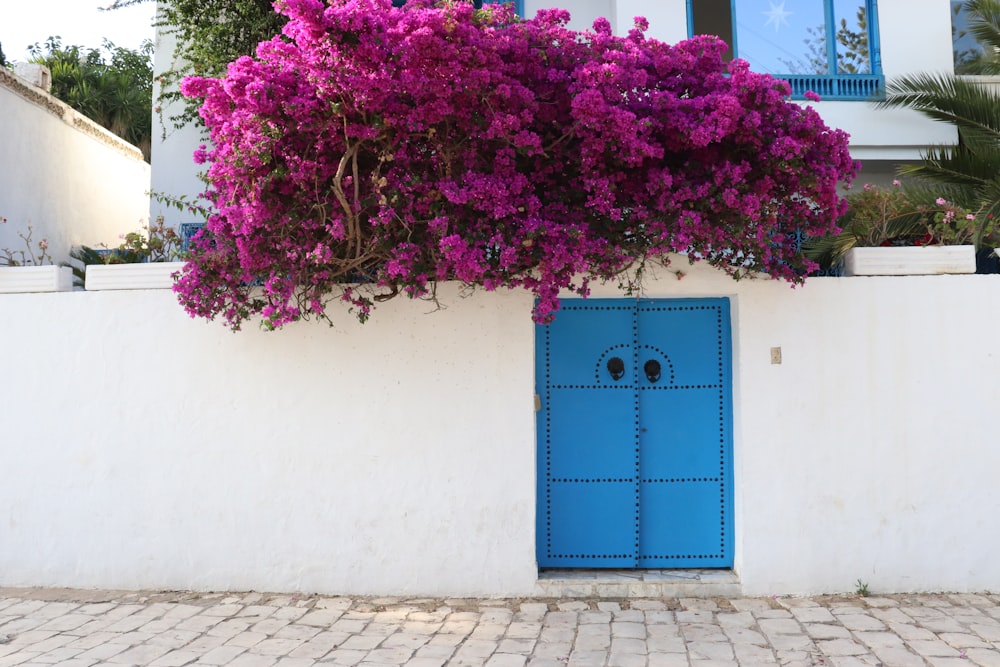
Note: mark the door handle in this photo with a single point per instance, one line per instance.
(616, 367)
(652, 369)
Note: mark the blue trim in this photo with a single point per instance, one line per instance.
(690, 19)
(831, 37)
(837, 86)
(874, 39)
(735, 46)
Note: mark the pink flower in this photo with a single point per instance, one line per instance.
(491, 150)
(811, 96)
(940, 201)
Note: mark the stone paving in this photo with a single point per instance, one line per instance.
(82, 628)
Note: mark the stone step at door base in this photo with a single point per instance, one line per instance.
(638, 584)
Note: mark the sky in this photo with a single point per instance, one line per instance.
(79, 22)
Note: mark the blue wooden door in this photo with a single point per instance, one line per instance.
(634, 447)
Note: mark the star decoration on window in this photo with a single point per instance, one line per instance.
(777, 15)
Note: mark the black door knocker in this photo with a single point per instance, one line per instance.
(616, 367)
(652, 369)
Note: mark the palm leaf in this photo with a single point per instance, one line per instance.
(970, 106)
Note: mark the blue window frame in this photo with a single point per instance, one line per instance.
(828, 46)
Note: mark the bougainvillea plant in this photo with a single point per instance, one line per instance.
(371, 151)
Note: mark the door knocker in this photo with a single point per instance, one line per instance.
(652, 369)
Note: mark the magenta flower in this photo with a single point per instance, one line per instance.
(400, 146)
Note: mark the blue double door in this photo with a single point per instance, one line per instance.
(634, 435)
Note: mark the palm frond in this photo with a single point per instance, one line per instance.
(970, 106)
(989, 201)
(984, 22)
(951, 165)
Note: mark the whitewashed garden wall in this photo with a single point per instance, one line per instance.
(143, 449)
(69, 178)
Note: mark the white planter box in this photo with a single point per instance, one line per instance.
(910, 260)
(156, 275)
(14, 279)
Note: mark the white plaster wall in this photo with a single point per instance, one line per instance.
(175, 175)
(143, 449)
(667, 19)
(58, 176)
(582, 12)
(890, 465)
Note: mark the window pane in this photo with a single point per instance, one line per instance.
(712, 17)
(968, 51)
(782, 36)
(852, 37)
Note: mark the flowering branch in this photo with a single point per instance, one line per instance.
(397, 147)
(28, 256)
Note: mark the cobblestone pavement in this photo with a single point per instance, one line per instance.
(82, 628)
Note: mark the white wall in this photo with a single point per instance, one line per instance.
(67, 177)
(172, 150)
(582, 12)
(143, 449)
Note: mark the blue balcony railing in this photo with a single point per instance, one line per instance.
(837, 86)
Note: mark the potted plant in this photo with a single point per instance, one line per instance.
(894, 231)
(31, 269)
(143, 260)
